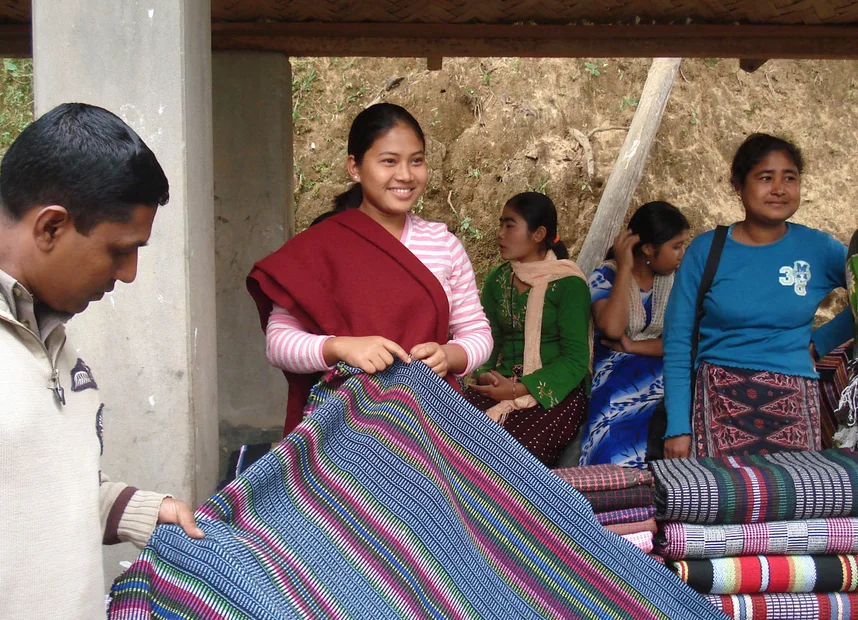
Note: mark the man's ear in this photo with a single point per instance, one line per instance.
(49, 225)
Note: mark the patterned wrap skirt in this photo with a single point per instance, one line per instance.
(738, 411)
(544, 432)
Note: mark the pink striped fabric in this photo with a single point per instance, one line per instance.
(290, 347)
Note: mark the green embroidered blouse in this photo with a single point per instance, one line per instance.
(565, 348)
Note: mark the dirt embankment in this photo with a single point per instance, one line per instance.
(499, 126)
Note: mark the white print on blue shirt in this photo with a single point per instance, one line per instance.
(797, 276)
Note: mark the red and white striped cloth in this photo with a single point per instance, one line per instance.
(291, 347)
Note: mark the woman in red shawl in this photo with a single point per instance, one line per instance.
(373, 282)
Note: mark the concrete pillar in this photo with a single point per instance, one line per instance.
(151, 345)
(252, 108)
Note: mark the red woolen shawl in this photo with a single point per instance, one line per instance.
(348, 276)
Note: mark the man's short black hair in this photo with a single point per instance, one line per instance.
(85, 159)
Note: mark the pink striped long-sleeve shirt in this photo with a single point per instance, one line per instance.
(291, 347)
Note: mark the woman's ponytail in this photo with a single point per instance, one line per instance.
(349, 199)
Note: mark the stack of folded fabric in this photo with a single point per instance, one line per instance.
(764, 537)
(621, 498)
(833, 372)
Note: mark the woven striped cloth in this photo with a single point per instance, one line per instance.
(618, 499)
(641, 540)
(679, 541)
(770, 573)
(626, 515)
(604, 477)
(394, 498)
(631, 528)
(753, 489)
(809, 606)
(833, 377)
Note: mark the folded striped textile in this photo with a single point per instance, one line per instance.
(808, 606)
(626, 515)
(395, 498)
(680, 541)
(641, 540)
(751, 574)
(833, 372)
(617, 499)
(630, 528)
(604, 477)
(753, 489)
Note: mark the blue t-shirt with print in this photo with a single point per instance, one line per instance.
(759, 311)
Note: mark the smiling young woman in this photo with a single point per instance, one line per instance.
(755, 389)
(370, 282)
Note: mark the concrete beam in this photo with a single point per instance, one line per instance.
(152, 345)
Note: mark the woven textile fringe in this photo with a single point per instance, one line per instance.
(810, 537)
(754, 489)
(834, 606)
(770, 573)
(394, 498)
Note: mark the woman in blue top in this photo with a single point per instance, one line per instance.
(629, 293)
(755, 388)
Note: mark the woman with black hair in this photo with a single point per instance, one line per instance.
(535, 382)
(370, 282)
(629, 294)
(755, 388)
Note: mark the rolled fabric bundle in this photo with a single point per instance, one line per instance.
(808, 606)
(604, 477)
(615, 499)
(626, 515)
(631, 528)
(679, 541)
(753, 574)
(641, 540)
(757, 488)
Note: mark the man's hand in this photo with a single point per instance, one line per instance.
(678, 447)
(177, 512)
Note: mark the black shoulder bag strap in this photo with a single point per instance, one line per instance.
(705, 284)
(658, 424)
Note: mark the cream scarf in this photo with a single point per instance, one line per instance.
(538, 274)
(637, 328)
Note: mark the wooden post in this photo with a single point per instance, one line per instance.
(629, 166)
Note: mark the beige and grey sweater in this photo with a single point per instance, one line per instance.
(57, 506)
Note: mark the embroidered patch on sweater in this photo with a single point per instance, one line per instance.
(81, 377)
(99, 427)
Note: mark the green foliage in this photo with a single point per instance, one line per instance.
(474, 173)
(303, 76)
(467, 230)
(541, 185)
(595, 68)
(749, 112)
(16, 100)
(629, 102)
(711, 62)
(487, 75)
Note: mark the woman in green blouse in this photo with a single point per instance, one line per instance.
(538, 304)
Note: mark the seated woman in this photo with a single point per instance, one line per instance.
(755, 389)
(535, 382)
(372, 282)
(630, 292)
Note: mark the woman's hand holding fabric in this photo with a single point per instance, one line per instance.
(678, 447)
(433, 355)
(369, 353)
